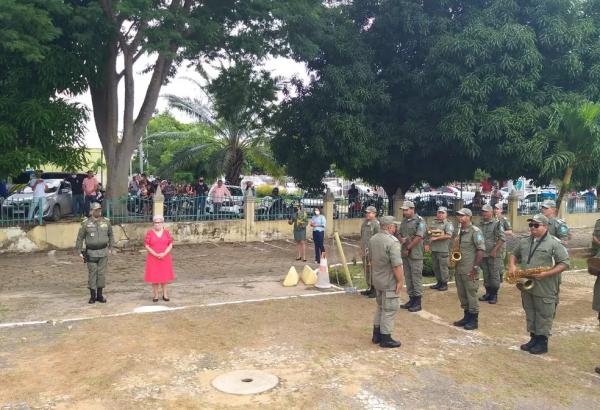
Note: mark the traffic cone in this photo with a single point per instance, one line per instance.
(308, 276)
(291, 279)
(323, 277)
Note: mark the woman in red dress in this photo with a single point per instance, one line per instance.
(159, 265)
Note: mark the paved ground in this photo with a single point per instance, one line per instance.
(318, 345)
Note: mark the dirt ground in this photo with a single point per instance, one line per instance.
(107, 357)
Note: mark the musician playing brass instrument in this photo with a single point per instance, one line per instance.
(539, 302)
(439, 234)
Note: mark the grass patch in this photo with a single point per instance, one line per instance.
(338, 277)
(578, 263)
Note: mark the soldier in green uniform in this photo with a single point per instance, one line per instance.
(492, 262)
(96, 232)
(540, 250)
(472, 248)
(369, 227)
(412, 232)
(596, 242)
(556, 227)
(386, 263)
(440, 233)
(503, 220)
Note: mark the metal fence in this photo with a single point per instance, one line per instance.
(355, 206)
(15, 212)
(427, 205)
(582, 204)
(279, 208)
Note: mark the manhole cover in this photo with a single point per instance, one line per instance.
(245, 382)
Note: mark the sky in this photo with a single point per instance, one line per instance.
(281, 67)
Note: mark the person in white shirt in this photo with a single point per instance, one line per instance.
(39, 188)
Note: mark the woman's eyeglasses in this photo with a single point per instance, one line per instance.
(534, 225)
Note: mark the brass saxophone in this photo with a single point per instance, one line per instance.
(455, 255)
(522, 277)
(435, 232)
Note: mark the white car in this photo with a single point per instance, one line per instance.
(59, 199)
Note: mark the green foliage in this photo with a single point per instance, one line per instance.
(37, 126)
(265, 190)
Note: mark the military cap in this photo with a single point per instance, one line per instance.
(498, 205)
(372, 209)
(442, 209)
(540, 218)
(408, 204)
(465, 211)
(387, 220)
(548, 203)
(95, 205)
(487, 208)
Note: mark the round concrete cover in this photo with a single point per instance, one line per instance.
(245, 382)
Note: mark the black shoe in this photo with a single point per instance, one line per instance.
(387, 341)
(462, 321)
(493, 299)
(485, 297)
(376, 339)
(367, 291)
(92, 296)
(372, 295)
(541, 346)
(99, 297)
(411, 300)
(473, 321)
(530, 344)
(443, 286)
(436, 286)
(416, 306)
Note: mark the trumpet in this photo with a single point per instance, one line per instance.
(522, 277)
(435, 232)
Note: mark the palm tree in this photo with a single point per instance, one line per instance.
(235, 106)
(569, 146)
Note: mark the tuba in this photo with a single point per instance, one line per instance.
(522, 277)
(455, 255)
(593, 265)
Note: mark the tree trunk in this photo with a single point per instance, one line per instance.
(564, 187)
(234, 167)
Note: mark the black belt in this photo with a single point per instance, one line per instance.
(90, 248)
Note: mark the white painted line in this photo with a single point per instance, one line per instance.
(275, 246)
(351, 244)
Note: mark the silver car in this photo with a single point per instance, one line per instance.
(59, 199)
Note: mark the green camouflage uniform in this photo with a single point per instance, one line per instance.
(492, 232)
(471, 241)
(384, 250)
(413, 263)
(540, 301)
(367, 230)
(440, 249)
(98, 237)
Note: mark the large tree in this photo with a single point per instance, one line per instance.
(38, 125)
(112, 35)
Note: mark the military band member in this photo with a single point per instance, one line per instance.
(540, 250)
(440, 233)
(386, 263)
(369, 227)
(96, 232)
(556, 227)
(596, 241)
(412, 232)
(472, 248)
(492, 262)
(502, 219)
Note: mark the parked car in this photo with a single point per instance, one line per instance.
(532, 203)
(58, 201)
(314, 199)
(233, 205)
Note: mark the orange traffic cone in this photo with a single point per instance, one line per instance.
(323, 276)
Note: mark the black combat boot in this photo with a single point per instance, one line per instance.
(436, 286)
(92, 296)
(493, 299)
(541, 345)
(368, 291)
(530, 344)
(485, 297)
(443, 286)
(462, 321)
(411, 301)
(99, 297)
(416, 306)
(473, 321)
(597, 369)
(376, 339)
(387, 341)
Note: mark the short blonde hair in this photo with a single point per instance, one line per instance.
(158, 218)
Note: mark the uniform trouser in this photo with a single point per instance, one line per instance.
(467, 292)
(491, 271)
(413, 275)
(439, 262)
(539, 313)
(367, 269)
(596, 300)
(388, 304)
(97, 271)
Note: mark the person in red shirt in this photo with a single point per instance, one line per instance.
(90, 188)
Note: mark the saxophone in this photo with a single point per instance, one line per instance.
(435, 232)
(455, 255)
(522, 277)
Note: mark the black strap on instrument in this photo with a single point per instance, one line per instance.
(532, 251)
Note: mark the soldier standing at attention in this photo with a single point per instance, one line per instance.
(492, 262)
(96, 232)
(472, 248)
(556, 227)
(540, 250)
(386, 262)
(412, 232)
(440, 232)
(369, 227)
